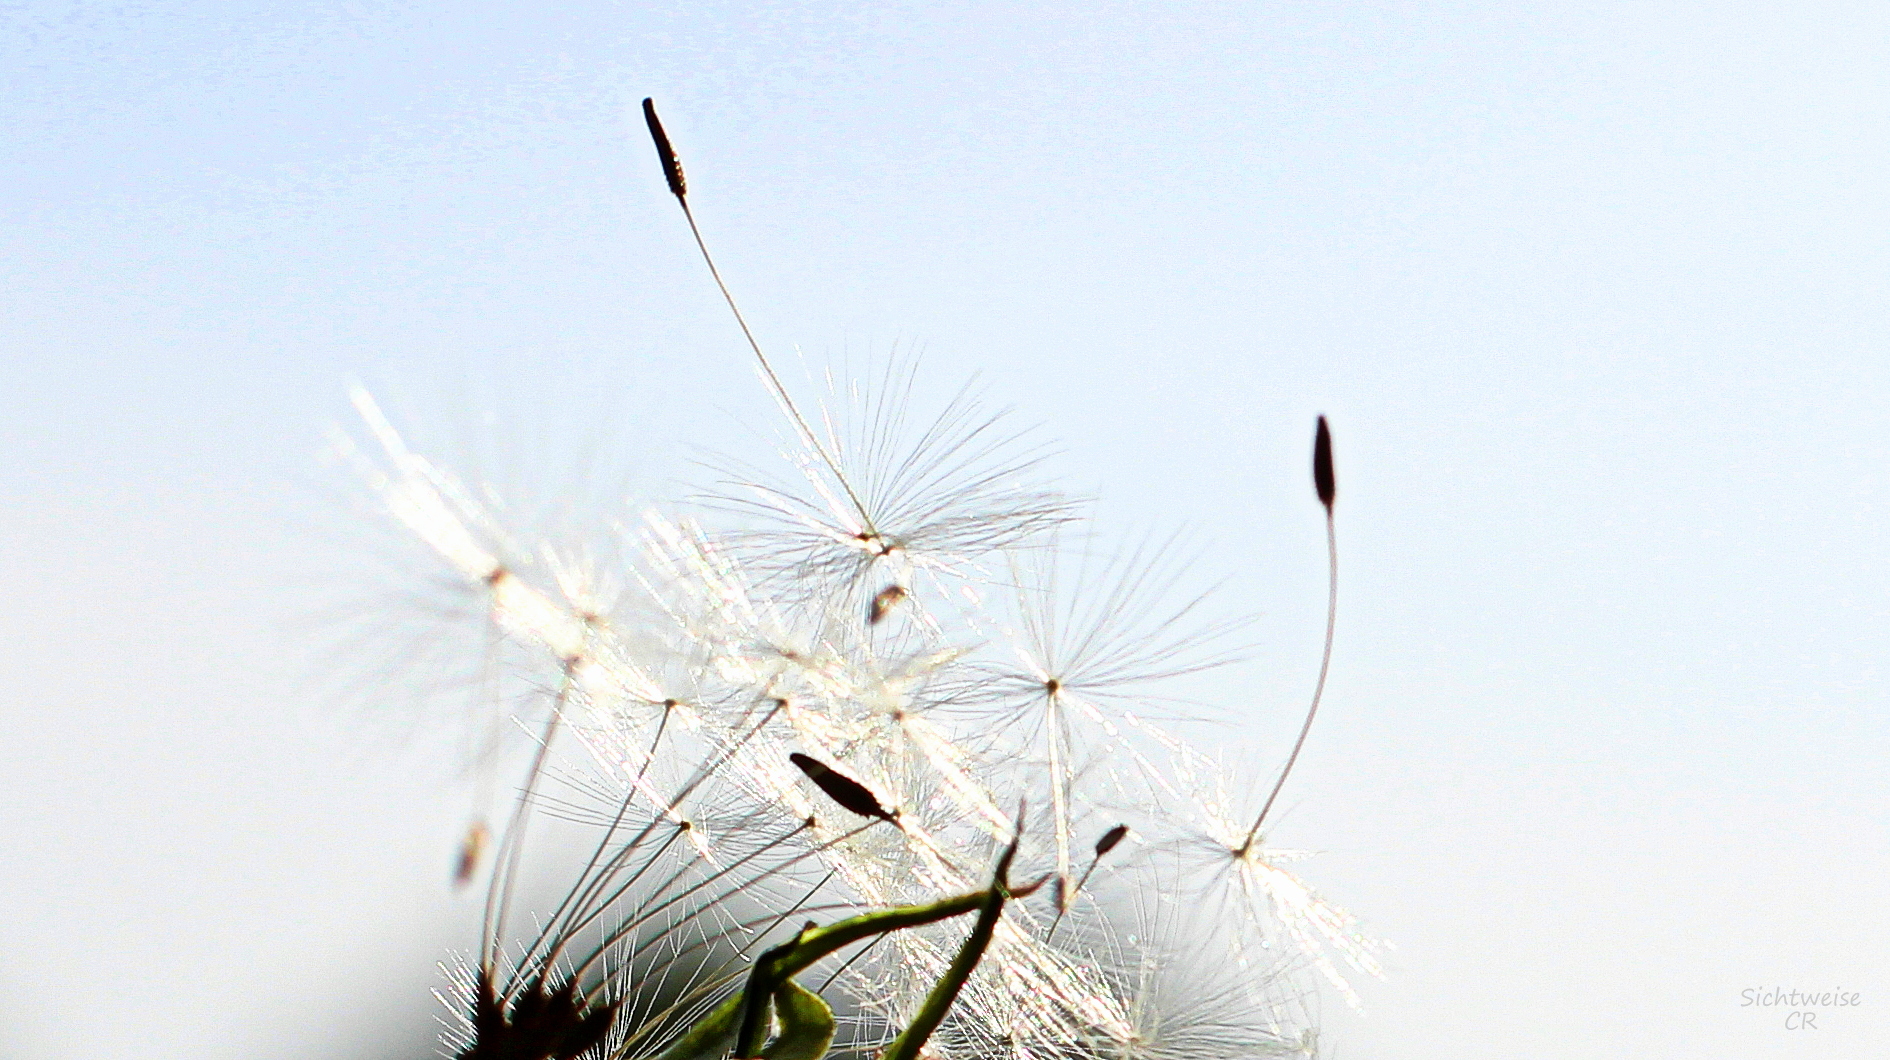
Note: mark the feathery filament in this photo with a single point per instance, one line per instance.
(680, 689)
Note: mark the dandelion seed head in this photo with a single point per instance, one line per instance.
(823, 706)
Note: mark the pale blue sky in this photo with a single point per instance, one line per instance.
(1594, 295)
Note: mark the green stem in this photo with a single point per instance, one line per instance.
(939, 1001)
(711, 1035)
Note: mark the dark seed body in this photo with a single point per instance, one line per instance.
(541, 1025)
(471, 850)
(849, 793)
(1323, 480)
(883, 604)
(672, 169)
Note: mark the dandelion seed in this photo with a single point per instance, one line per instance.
(849, 793)
(672, 169)
(471, 850)
(1178, 1006)
(1251, 880)
(1325, 487)
(1323, 482)
(1083, 652)
(1067, 895)
(669, 694)
(1313, 924)
(883, 604)
(883, 492)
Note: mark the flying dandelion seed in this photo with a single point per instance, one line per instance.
(891, 495)
(705, 707)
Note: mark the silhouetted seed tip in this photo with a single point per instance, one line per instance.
(849, 793)
(1322, 478)
(1111, 838)
(883, 604)
(672, 169)
(471, 850)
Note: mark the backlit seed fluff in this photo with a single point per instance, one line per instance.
(661, 697)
